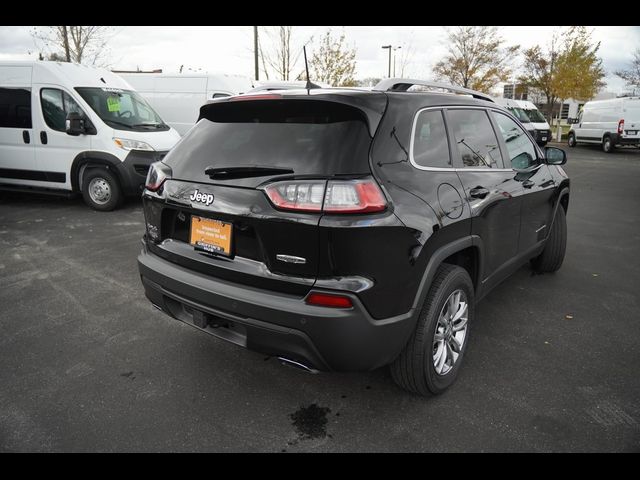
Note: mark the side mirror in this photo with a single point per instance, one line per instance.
(555, 156)
(523, 162)
(74, 124)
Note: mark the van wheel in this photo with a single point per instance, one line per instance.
(431, 359)
(607, 145)
(101, 190)
(552, 256)
(571, 140)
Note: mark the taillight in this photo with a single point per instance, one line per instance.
(303, 196)
(621, 127)
(354, 196)
(158, 173)
(333, 196)
(329, 300)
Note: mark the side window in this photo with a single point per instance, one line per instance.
(430, 147)
(522, 153)
(475, 138)
(15, 108)
(56, 105)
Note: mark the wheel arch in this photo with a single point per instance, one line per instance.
(465, 252)
(91, 159)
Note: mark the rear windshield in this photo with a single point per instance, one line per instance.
(310, 137)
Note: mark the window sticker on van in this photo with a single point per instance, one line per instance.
(112, 90)
(113, 104)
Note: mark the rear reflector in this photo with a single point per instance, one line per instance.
(328, 300)
(333, 196)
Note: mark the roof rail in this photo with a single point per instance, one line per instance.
(403, 84)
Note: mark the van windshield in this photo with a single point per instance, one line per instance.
(122, 109)
(535, 116)
(519, 114)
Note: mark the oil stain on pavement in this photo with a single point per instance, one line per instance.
(311, 421)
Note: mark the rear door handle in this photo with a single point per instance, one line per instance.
(25, 136)
(43, 137)
(528, 184)
(478, 192)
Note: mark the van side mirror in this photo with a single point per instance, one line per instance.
(74, 124)
(555, 156)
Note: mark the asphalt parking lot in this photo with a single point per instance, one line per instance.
(89, 365)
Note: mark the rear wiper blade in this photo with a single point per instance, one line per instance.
(245, 172)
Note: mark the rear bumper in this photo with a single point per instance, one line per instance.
(628, 141)
(274, 323)
(543, 136)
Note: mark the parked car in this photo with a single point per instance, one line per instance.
(178, 97)
(610, 123)
(68, 128)
(344, 230)
(517, 111)
(543, 130)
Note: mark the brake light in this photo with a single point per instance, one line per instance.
(158, 173)
(333, 196)
(329, 300)
(621, 127)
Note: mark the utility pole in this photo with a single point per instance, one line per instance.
(389, 47)
(255, 52)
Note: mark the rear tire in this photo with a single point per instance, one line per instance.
(571, 140)
(550, 260)
(101, 190)
(416, 369)
(607, 145)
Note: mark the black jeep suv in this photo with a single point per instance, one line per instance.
(346, 229)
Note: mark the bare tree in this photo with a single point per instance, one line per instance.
(334, 62)
(632, 75)
(405, 59)
(283, 54)
(476, 58)
(79, 44)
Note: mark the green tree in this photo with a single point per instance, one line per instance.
(632, 75)
(568, 67)
(476, 58)
(334, 62)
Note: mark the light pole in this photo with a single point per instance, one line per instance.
(389, 47)
(394, 60)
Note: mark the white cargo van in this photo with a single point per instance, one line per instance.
(517, 112)
(610, 123)
(543, 130)
(178, 97)
(71, 128)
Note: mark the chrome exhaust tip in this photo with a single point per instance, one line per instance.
(300, 366)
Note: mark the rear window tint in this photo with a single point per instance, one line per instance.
(430, 145)
(311, 137)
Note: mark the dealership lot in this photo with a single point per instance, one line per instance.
(89, 365)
